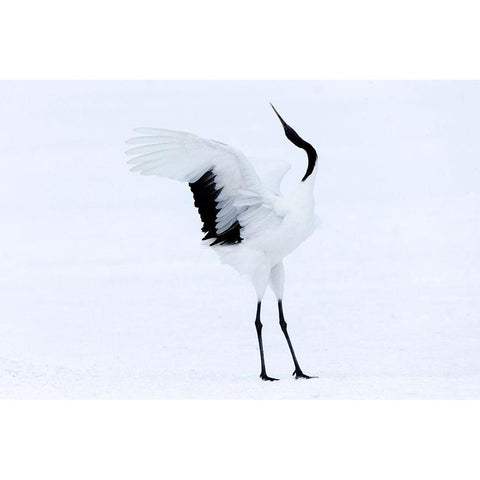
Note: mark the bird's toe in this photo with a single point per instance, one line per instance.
(299, 374)
(266, 378)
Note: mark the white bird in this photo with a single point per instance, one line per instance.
(248, 223)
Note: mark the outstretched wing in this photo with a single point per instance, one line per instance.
(271, 172)
(232, 201)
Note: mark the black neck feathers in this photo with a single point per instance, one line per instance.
(295, 138)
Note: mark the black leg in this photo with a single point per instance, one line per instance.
(283, 325)
(258, 326)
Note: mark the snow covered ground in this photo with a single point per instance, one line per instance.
(106, 292)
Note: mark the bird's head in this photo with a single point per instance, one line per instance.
(298, 141)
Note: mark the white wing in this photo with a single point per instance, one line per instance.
(232, 201)
(271, 172)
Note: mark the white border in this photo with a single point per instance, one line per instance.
(252, 39)
(239, 440)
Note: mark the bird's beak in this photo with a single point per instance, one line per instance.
(278, 115)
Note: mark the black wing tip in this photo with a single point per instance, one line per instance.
(205, 193)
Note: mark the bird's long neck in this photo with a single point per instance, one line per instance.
(312, 163)
(295, 138)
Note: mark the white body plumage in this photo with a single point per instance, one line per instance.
(257, 255)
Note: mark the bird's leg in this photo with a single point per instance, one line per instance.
(283, 325)
(277, 281)
(258, 326)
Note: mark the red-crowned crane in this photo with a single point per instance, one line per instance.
(246, 220)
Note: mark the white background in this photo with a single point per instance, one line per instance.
(340, 39)
(108, 292)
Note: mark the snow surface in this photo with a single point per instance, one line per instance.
(106, 291)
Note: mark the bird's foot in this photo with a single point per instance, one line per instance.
(266, 378)
(299, 374)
